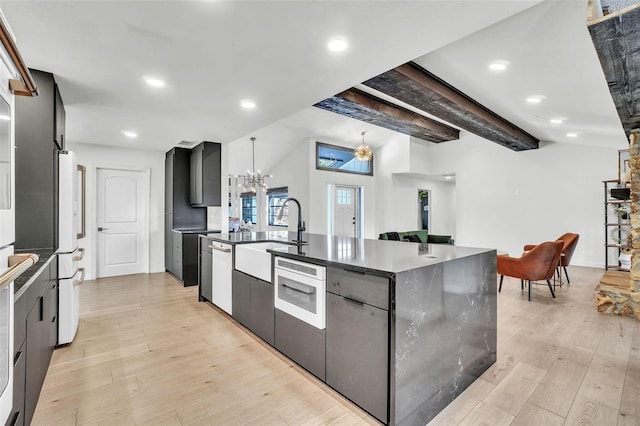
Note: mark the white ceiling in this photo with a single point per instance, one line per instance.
(215, 53)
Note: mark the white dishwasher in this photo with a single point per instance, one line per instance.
(221, 275)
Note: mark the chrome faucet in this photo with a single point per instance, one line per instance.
(300, 221)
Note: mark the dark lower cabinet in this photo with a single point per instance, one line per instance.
(176, 268)
(357, 353)
(252, 304)
(241, 297)
(184, 257)
(35, 337)
(35, 358)
(205, 283)
(261, 316)
(17, 416)
(301, 342)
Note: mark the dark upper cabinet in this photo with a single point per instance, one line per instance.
(37, 165)
(177, 191)
(59, 126)
(205, 175)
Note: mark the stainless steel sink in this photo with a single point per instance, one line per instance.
(253, 258)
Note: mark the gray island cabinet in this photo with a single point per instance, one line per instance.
(358, 338)
(252, 300)
(408, 326)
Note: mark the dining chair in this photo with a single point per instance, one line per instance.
(539, 263)
(569, 241)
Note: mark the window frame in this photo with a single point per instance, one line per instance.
(253, 206)
(272, 211)
(343, 149)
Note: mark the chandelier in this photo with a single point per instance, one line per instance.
(363, 152)
(253, 179)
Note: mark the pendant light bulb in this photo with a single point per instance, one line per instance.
(363, 152)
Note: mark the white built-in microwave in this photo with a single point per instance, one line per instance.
(300, 290)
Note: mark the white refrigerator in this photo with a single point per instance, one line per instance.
(7, 234)
(69, 275)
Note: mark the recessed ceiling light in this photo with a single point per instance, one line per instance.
(155, 82)
(572, 135)
(247, 104)
(557, 120)
(130, 134)
(499, 65)
(448, 177)
(535, 99)
(337, 44)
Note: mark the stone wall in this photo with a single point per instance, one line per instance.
(634, 165)
(619, 293)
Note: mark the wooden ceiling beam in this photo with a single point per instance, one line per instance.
(362, 106)
(412, 84)
(616, 38)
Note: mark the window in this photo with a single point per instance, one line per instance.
(276, 197)
(341, 159)
(344, 197)
(249, 207)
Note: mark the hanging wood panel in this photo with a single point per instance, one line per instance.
(362, 106)
(412, 84)
(616, 38)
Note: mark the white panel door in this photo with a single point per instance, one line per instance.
(344, 211)
(122, 217)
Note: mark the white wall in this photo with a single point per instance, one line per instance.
(506, 199)
(317, 193)
(292, 172)
(404, 209)
(94, 156)
(401, 170)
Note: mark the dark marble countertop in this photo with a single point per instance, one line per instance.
(197, 231)
(252, 237)
(376, 256)
(21, 283)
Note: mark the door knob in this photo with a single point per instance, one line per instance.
(102, 229)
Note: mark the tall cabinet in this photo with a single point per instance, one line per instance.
(39, 136)
(617, 213)
(180, 215)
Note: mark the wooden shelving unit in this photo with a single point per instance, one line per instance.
(616, 227)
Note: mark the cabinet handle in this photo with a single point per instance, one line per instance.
(357, 302)
(224, 250)
(17, 357)
(15, 418)
(41, 301)
(54, 318)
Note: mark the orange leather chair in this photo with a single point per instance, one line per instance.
(539, 263)
(570, 241)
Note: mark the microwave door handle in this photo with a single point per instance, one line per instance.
(301, 288)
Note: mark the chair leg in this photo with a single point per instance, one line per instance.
(529, 283)
(500, 288)
(521, 284)
(551, 289)
(567, 274)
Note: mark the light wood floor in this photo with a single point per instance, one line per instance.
(147, 352)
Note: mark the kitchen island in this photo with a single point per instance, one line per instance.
(439, 312)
